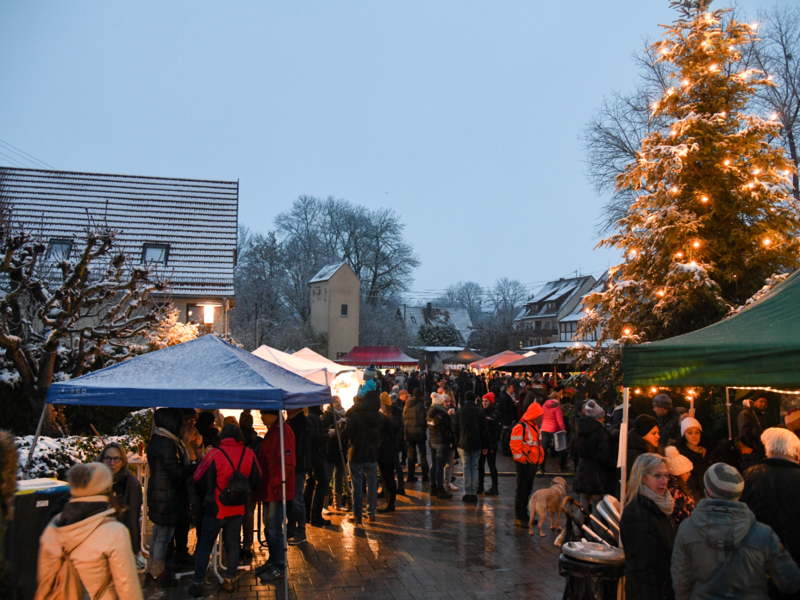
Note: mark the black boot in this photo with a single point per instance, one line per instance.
(389, 506)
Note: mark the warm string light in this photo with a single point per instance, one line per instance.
(726, 162)
(696, 245)
(704, 199)
(766, 241)
(626, 331)
(766, 389)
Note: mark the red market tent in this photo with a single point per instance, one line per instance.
(382, 356)
(496, 360)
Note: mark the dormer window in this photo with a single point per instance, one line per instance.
(58, 250)
(551, 306)
(155, 253)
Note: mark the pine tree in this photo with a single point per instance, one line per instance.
(714, 217)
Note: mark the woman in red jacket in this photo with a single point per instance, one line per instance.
(552, 423)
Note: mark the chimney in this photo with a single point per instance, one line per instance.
(429, 311)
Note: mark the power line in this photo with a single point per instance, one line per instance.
(12, 161)
(23, 154)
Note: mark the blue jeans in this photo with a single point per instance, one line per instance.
(273, 530)
(230, 527)
(297, 520)
(469, 464)
(159, 540)
(441, 459)
(357, 472)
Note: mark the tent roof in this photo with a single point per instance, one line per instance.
(496, 360)
(536, 362)
(203, 373)
(759, 346)
(311, 356)
(464, 357)
(317, 372)
(386, 356)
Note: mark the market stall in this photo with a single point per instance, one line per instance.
(495, 361)
(320, 373)
(465, 357)
(381, 356)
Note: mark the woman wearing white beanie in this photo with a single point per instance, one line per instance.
(680, 468)
(689, 446)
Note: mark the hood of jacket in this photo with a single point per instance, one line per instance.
(636, 441)
(723, 523)
(588, 425)
(413, 401)
(534, 411)
(74, 533)
(552, 403)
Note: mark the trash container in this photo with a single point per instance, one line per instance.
(593, 571)
(32, 505)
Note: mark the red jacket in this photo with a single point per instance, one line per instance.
(553, 417)
(269, 458)
(524, 443)
(215, 470)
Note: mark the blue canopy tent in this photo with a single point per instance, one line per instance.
(204, 373)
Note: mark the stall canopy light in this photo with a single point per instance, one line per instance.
(208, 311)
(766, 389)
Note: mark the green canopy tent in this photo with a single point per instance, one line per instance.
(757, 347)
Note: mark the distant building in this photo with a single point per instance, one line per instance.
(537, 323)
(186, 228)
(335, 304)
(568, 325)
(415, 317)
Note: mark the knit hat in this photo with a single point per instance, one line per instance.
(677, 463)
(644, 424)
(723, 482)
(594, 410)
(90, 479)
(489, 397)
(385, 399)
(688, 423)
(370, 372)
(662, 401)
(438, 399)
(793, 420)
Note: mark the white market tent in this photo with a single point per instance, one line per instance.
(311, 356)
(318, 372)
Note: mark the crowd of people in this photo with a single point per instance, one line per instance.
(689, 521)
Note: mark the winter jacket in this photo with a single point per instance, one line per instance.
(682, 495)
(440, 426)
(553, 417)
(525, 446)
(591, 447)
(722, 552)
(318, 437)
(165, 488)
(469, 428)
(415, 420)
(215, 470)
(507, 408)
(752, 423)
(329, 420)
(302, 442)
(669, 428)
(700, 464)
(412, 384)
(387, 451)
(772, 492)
(493, 426)
(396, 415)
(647, 535)
(99, 545)
(363, 431)
(636, 447)
(269, 459)
(128, 492)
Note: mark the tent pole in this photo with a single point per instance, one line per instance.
(728, 406)
(283, 484)
(623, 450)
(35, 441)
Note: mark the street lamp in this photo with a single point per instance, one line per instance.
(208, 313)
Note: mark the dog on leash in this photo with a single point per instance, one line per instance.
(547, 500)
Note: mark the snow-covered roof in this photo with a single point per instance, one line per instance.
(559, 346)
(578, 312)
(558, 292)
(197, 219)
(326, 273)
(416, 316)
(440, 348)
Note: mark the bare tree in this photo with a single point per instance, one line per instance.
(508, 297)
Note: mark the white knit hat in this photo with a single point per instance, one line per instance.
(688, 423)
(439, 398)
(677, 463)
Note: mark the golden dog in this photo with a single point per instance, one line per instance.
(548, 500)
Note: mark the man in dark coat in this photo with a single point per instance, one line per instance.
(415, 428)
(669, 422)
(590, 448)
(296, 529)
(387, 454)
(472, 439)
(399, 400)
(772, 490)
(508, 414)
(753, 421)
(441, 435)
(317, 483)
(363, 433)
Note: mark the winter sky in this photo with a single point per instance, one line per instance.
(462, 116)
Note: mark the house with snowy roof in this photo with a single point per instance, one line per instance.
(538, 321)
(335, 307)
(415, 317)
(185, 228)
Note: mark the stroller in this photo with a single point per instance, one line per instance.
(591, 560)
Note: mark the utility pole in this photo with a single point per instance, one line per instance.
(256, 303)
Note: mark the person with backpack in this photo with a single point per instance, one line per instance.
(85, 546)
(528, 455)
(225, 479)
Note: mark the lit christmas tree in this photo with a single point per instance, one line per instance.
(714, 217)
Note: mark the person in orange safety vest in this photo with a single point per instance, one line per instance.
(528, 455)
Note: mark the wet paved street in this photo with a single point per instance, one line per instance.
(429, 548)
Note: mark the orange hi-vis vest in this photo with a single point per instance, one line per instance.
(524, 444)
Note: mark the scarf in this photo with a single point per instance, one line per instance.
(698, 449)
(181, 448)
(665, 503)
